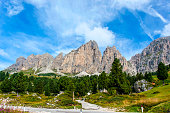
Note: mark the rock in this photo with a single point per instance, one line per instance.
(83, 73)
(109, 56)
(58, 62)
(88, 58)
(142, 85)
(158, 51)
(18, 65)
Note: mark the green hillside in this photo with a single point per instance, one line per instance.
(156, 98)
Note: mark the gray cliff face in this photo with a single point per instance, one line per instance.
(88, 58)
(56, 65)
(158, 51)
(85, 58)
(18, 65)
(109, 56)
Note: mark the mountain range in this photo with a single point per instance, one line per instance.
(88, 58)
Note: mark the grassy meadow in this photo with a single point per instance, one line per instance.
(157, 99)
(39, 100)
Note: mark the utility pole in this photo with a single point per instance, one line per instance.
(73, 95)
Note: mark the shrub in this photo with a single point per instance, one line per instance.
(112, 91)
(32, 99)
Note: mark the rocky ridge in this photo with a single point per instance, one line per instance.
(156, 52)
(88, 58)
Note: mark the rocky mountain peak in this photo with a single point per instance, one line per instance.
(20, 59)
(156, 52)
(88, 58)
(109, 55)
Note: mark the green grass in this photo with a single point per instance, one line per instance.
(28, 72)
(132, 103)
(161, 108)
(39, 100)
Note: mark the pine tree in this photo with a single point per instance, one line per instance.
(47, 89)
(19, 83)
(6, 86)
(94, 83)
(2, 75)
(139, 76)
(38, 85)
(30, 87)
(148, 77)
(102, 81)
(162, 72)
(7, 75)
(118, 78)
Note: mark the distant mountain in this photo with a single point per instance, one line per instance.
(88, 58)
(156, 52)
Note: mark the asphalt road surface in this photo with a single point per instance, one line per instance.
(45, 110)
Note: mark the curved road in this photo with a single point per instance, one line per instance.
(87, 108)
(45, 110)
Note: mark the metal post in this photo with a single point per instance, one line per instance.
(73, 95)
(142, 108)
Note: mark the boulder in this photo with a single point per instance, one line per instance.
(142, 85)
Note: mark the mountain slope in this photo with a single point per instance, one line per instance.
(156, 52)
(88, 58)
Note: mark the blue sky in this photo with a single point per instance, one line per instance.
(54, 26)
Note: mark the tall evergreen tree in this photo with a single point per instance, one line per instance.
(47, 89)
(6, 86)
(148, 77)
(94, 83)
(30, 87)
(102, 81)
(139, 76)
(132, 79)
(162, 72)
(2, 75)
(38, 85)
(19, 83)
(7, 75)
(118, 78)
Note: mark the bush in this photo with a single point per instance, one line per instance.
(67, 102)
(32, 99)
(112, 91)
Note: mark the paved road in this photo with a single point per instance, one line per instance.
(45, 110)
(88, 106)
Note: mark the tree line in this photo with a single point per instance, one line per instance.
(116, 82)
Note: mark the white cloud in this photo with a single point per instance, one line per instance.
(166, 30)
(64, 51)
(131, 4)
(128, 48)
(72, 20)
(38, 3)
(153, 12)
(146, 30)
(102, 36)
(14, 7)
(3, 53)
(65, 17)
(4, 65)
(143, 26)
(142, 5)
(157, 32)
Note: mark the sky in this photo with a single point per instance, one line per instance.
(54, 26)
